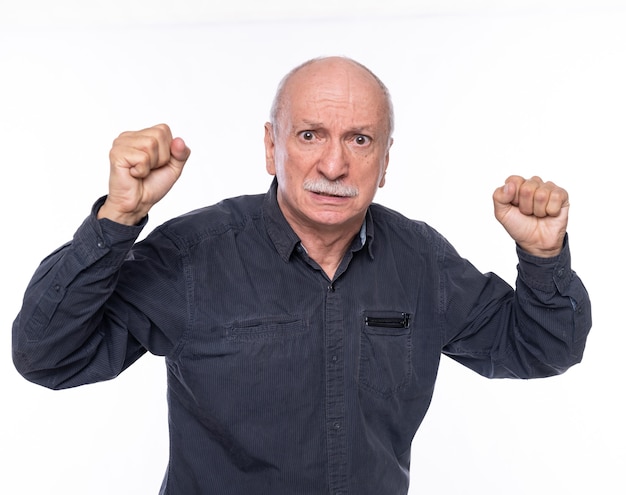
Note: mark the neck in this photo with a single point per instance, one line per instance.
(327, 251)
(326, 244)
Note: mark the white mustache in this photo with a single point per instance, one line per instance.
(330, 188)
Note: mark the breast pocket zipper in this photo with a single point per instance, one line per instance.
(400, 321)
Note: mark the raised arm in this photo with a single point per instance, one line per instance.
(73, 327)
(540, 328)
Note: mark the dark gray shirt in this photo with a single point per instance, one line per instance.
(281, 381)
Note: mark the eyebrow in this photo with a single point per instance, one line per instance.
(311, 123)
(356, 129)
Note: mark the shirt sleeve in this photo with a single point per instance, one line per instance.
(73, 327)
(537, 330)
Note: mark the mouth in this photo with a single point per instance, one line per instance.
(330, 189)
(329, 195)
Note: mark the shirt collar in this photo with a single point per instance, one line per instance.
(285, 239)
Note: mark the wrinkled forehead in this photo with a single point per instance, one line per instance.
(334, 90)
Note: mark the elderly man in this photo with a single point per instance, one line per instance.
(302, 329)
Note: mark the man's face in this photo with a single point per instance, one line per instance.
(330, 149)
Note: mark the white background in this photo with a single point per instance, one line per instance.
(482, 90)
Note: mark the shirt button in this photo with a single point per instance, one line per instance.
(337, 425)
(100, 243)
(334, 359)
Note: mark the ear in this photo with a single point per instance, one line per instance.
(270, 165)
(382, 178)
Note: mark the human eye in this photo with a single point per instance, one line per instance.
(362, 140)
(307, 135)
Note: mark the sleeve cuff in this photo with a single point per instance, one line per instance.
(96, 238)
(544, 273)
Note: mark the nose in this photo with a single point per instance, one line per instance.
(333, 163)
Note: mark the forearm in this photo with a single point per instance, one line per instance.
(552, 313)
(537, 330)
(64, 335)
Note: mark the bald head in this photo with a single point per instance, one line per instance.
(312, 72)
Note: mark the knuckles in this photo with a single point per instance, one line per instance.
(533, 196)
(148, 147)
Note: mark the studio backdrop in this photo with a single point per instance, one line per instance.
(480, 94)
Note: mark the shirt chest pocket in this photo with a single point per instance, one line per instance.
(265, 330)
(385, 352)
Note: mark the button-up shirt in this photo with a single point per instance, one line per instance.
(282, 381)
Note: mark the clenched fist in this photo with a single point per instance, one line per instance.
(144, 166)
(534, 213)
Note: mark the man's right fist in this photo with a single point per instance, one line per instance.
(144, 166)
